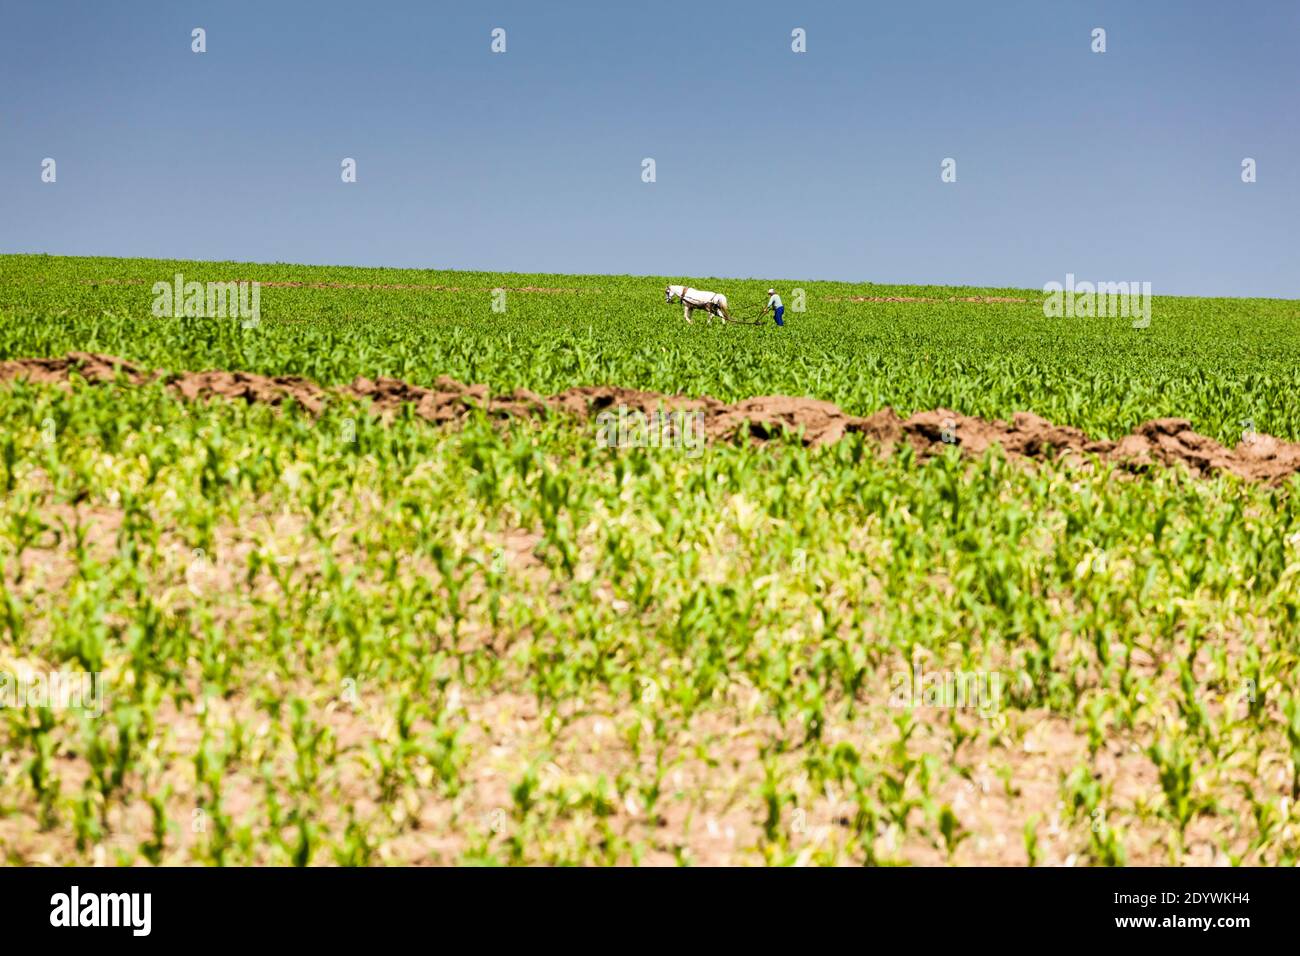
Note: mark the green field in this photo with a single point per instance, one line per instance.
(1217, 362)
(347, 640)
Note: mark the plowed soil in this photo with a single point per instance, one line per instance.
(981, 299)
(401, 286)
(1165, 441)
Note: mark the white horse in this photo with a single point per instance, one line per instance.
(714, 303)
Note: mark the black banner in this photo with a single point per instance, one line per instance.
(543, 907)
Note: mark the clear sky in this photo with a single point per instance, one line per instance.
(1123, 165)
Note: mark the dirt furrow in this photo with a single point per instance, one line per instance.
(403, 286)
(1165, 441)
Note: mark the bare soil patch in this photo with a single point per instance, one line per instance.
(981, 299)
(401, 286)
(1165, 441)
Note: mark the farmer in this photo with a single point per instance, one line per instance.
(774, 303)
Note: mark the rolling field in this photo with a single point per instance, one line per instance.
(1217, 362)
(326, 636)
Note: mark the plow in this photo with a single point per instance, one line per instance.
(753, 318)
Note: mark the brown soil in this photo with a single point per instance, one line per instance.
(419, 287)
(1164, 441)
(982, 299)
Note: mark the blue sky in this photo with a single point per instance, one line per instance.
(1117, 166)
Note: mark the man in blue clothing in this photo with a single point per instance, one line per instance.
(774, 303)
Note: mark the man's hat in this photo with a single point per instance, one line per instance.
(771, 292)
